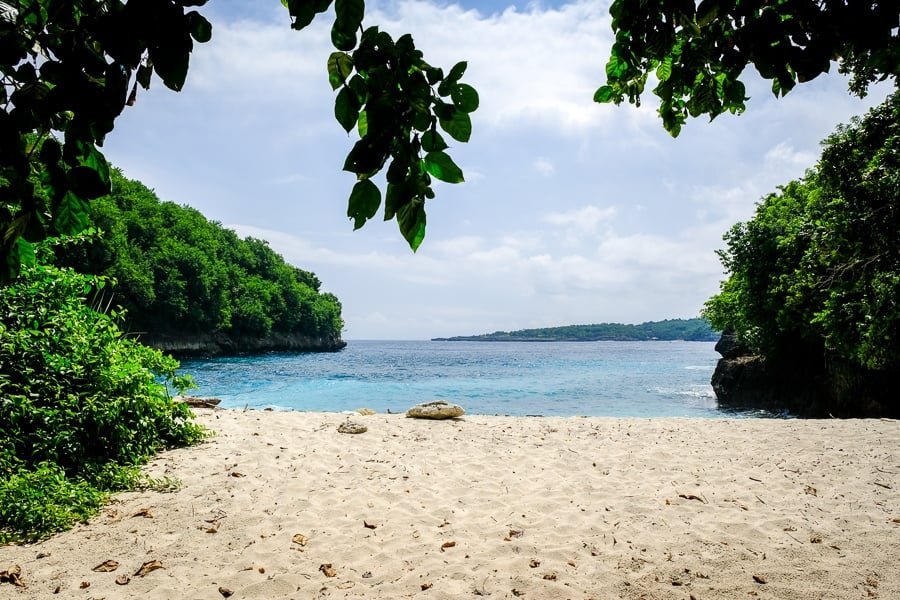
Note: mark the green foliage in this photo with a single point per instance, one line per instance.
(177, 272)
(72, 67)
(698, 51)
(69, 69)
(817, 269)
(80, 404)
(395, 100)
(670, 329)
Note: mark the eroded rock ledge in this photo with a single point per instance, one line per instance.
(222, 344)
(802, 385)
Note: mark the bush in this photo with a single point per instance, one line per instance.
(80, 405)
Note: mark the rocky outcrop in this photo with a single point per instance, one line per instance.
(804, 385)
(219, 344)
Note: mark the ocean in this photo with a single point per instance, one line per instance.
(614, 379)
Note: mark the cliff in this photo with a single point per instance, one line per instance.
(802, 384)
(218, 344)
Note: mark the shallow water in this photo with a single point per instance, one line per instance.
(617, 379)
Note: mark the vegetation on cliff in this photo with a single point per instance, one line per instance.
(178, 273)
(670, 329)
(814, 277)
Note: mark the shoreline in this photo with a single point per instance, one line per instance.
(551, 507)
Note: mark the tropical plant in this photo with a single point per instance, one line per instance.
(80, 405)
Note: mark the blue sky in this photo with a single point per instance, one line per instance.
(572, 212)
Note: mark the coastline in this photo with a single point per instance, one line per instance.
(552, 507)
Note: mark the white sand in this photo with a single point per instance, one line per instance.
(535, 508)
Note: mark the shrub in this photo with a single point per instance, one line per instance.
(80, 405)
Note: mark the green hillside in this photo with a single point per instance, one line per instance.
(693, 330)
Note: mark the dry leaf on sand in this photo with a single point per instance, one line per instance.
(147, 567)
(123, 580)
(446, 545)
(327, 570)
(12, 575)
(107, 566)
(300, 539)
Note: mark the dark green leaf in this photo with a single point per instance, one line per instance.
(442, 167)
(199, 27)
(433, 142)
(304, 11)
(346, 109)
(171, 63)
(464, 97)
(457, 72)
(459, 127)
(72, 216)
(143, 75)
(87, 183)
(24, 251)
(343, 39)
(604, 94)
(364, 202)
(350, 13)
(411, 220)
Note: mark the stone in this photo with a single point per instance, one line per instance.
(435, 410)
(351, 427)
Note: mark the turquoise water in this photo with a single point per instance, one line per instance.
(620, 379)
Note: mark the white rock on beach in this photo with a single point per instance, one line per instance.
(435, 410)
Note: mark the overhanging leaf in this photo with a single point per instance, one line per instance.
(340, 65)
(346, 109)
(363, 203)
(459, 126)
(432, 141)
(604, 94)
(200, 28)
(411, 220)
(464, 97)
(72, 216)
(441, 166)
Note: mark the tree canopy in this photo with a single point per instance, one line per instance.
(816, 273)
(697, 52)
(178, 273)
(69, 68)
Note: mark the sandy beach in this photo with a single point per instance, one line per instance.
(281, 505)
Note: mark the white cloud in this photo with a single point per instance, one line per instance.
(544, 167)
(585, 219)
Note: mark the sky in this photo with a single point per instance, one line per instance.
(571, 213)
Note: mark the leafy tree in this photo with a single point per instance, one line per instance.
(815, 275)
(177, 273)
(698, 51)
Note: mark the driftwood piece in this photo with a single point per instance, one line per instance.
(195, 402)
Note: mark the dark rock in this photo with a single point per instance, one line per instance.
(728, 345)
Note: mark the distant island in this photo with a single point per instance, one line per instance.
(690, 330)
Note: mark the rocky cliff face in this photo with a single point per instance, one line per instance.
(803, 385)
(221, 344)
